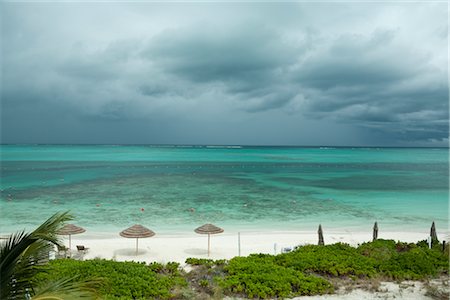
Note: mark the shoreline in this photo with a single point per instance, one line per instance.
(288, 227)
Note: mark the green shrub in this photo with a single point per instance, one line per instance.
(435, 245)
(291, 274)
(257, 276)
(380, 250)
(204, 282)
(399, 260)
(204, 262)
(121, 280)
(332, 260)
(284, 275)
(417, 263)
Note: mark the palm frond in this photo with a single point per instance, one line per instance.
(11, 252)
(67, 289)
(32, 262)
(22, 252)
(48, 230)
(13, 246)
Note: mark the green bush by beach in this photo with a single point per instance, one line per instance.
(397, 260)
(259, 276)
(330, 260)
(205, 262)
(381, 258)
(308, 270)
(120, 280)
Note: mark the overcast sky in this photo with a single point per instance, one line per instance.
(214, 73)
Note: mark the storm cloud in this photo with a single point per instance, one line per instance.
(214, 73)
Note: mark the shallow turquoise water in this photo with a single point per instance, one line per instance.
(274, 188)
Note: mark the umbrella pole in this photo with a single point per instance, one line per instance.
(70, 246)
(137, 239)
(209, 243)
(239, 243)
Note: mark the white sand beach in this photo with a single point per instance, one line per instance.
(177, 247)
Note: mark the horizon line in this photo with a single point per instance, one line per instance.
(213, 145)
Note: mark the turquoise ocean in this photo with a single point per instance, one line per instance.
(177, 188)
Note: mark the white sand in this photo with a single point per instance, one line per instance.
(168, 247)
(388, 290)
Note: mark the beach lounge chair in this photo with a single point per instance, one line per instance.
(61, 248)
(62, 251)
(286, 249)
(82, 249)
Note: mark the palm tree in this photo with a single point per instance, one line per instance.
(23, 255)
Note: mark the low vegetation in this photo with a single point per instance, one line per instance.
(308, 270)
(259, 276)
(120, 280)
(311, 269)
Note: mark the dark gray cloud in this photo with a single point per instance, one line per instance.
(236, 54)
(238, 73)
(377, 83)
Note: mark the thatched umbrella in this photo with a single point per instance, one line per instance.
(375, 231)
(433, 233)
(137, 231)
(70, 229)
(320, 235)
(208, 229)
